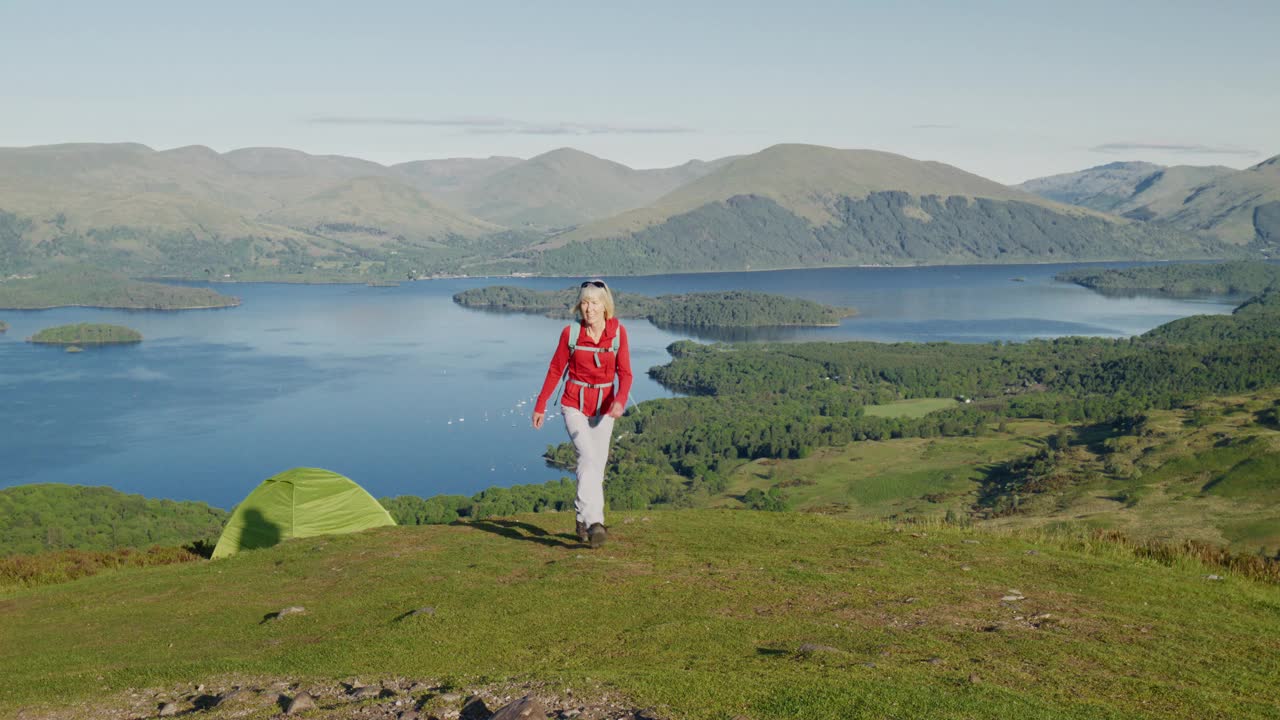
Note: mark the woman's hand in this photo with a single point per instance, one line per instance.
(616, 410)
(538, 418)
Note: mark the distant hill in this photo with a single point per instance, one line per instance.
(1101, 188)
(1138, 190)
(1238, 207)
(192, 211)
(452, 175)
(378, 209)
(280, 214)
(566, 187)
(804, 205)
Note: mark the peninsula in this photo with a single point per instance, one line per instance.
(713, 309)
(1242, 277)
(86, 287)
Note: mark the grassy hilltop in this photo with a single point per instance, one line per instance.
(696, 614)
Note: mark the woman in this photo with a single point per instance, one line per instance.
(595, 351)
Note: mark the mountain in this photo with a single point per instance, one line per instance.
(452, 175)
(378, 208)
(805, 205)
(1101, 188)
(1237, 207)
(191, 209)
(1241, 208)
(1137, 190)
(262, 213)
(1162, 192)
(566, 187)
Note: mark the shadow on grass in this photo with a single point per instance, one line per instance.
(524, 531)
(1269, 418)
(1094, 437)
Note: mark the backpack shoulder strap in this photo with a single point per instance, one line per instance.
(617, 335)
(574, 329)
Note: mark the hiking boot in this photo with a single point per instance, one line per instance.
(581, 530)
(597, 535)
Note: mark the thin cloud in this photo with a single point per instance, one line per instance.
(504, 126)
(1127, 147)
(934, 126)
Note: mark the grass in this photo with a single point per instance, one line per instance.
(1208, 473)
(917, 477)
(63, 565)
(697, 613)
(910, 408)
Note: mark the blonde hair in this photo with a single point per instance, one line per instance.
(600, 293)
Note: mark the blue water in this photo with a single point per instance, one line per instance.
(407, 393)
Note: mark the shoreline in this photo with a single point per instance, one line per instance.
(124, 307)
(521, 275)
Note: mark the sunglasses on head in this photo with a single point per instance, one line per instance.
(598, 283)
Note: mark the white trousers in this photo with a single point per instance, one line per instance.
(590, 437)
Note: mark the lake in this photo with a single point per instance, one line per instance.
(407, 393)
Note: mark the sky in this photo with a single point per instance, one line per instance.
(1007, 90)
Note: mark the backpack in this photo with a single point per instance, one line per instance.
(574, 330)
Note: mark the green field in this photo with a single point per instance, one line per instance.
(1208, 473)
(910, 408)
(697, 614)
(917, 477)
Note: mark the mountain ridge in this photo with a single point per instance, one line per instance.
(268, 211)
(1238, 207)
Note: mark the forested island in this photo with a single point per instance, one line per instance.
(87, 334)
(87, 287)
(735, 308)
(1243, 277)
(3, 326)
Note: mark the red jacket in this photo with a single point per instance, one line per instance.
(583, 367)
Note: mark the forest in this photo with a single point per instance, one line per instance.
(734, 308)
(43, 517)
(752, 232)
(1241, 277)
(746, 402)
(90, 287)
(87, 334)
(751, 401)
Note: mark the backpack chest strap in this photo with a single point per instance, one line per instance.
(576, 328)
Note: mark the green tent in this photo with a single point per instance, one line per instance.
(301, 502)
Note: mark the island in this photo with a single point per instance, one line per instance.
(3, 326)
(1243, 277)
(711, 309)
(89, 287)
(87, 334)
